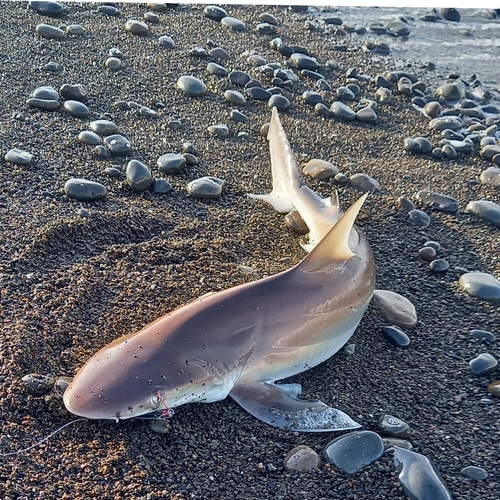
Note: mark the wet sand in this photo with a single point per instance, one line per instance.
(70, 284)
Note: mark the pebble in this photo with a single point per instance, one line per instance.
(365, 183)
(406, 204)
(46, 104)
(191, 86)
(219, 53)
(494, 388)
(321, 110)
(166, 42)
(351, 452)
(214, 12)
(266, 28)
(216, 69)
(46, 92)
(191, 159)
(367, 115)
(238, 117)
(302, 61)
(342, 111)
(49, 32)
(439, 265)
(349, 349)
(110, 10)
(238, 77)
(433, 244)
(296, 223)
(383, 95)
(258, 93)
(302, 458)
(151, 17)
(483, 335)
(84, 190)
(394, 427)
(118, 145)
(398, 28)
(419, 477)
(220, 130)
(18, 157)
(76, 108)
(491, 176)
(486, 210)
(206, 187)
(419, 218)
(75, 29)
(438, 201)
(37, 384)
(171, 163)
(82, 212)
(477, 473)
(450, 14)
(451, 92)
(51, 66)
(136, 27)
(433, 109)
(446, 122)
(320, 169)
(345, 93)
(161, 186)
(398, 443)
(489, 151)
(103, 152)
(235, 97)
(449, 151)
(233, 23)
(113, 63)
(484, 286)
(312, 97)
(395, 308)
(280, 102)
(112, 172)
(138, 175)
(396, 336)
(76, 92)
(267, 17)
(427, 253)
(46, 8)
(483, 364)
(103, 127)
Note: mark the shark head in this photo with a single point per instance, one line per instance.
(142, 374)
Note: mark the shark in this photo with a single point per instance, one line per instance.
(242, 341)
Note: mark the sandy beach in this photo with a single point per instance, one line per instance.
(70, 284)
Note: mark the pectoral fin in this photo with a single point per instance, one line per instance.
(278, 405)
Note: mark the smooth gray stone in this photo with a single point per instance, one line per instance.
(342, 111)
(84, 190)
(450, 14)
(489, 151)
(312, 97)
(37, 384)
(240, 78)
(354, 451)
(151, 17)
(109, 10)
(454, 91)
(280, 102)
(235, 97)
(419, 218)
(266, 28)
(206, 187)
(75, 29)
(171, 163)
(161, 186)
(477, 473)
(484, 364)
(233, 23)
(367, 115)
(47, 8)
(365, 183)
(76, 108)
(214, 12)
(148, 112)
(136, 27)
(138, 175)
(406, 204)
(103, 152)
(383, 95)
(257, 60)
(166, 42)
(433, 109)
(425, 144)
(481, 285)
(398, 28)
(302, 458)
(112, 171)
(419, 477)
(486, 210)
(49, 32)
(103, 127)
(396, 336)
(216, 69)
(46, 104)
(491, 176)
(220, 130)
(191, 159)
(258, 93)
(483, 335)
(346, 94)
(449, 151)
(446, 122)
(115, 52)
(321, 110)
(51, 66)
(267, 17)
(191, 86)
(394, 427)
(412, 145)
(320, 169)
(46, 92)
(77, 92)
(301, 61)
(118, 144)
(238, 117)
(18, 157)
(459, 146)
(439, 265)
(295, 222)
(438, 201)
(220, 53)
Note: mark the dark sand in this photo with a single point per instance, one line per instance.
(70, 284)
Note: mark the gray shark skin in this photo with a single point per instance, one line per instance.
(240, 341)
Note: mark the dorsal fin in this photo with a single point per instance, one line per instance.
(335, 245)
